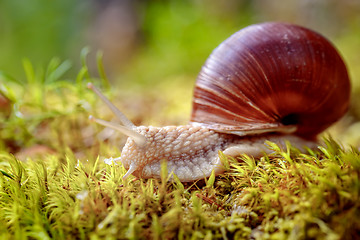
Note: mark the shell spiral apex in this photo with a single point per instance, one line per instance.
(272, 77)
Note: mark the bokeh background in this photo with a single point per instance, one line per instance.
(153, 50)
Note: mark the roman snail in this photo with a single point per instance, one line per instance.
(269, 81)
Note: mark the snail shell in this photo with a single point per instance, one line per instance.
(272, 77)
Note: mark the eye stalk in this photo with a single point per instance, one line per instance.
(115, 110)
(128, 129)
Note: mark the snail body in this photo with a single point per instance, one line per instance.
(270, 81)
(192, 152)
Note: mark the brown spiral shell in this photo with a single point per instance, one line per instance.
(272, 77)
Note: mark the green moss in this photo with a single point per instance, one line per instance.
(66, 191)
(275, 197)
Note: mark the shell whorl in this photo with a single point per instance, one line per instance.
(267, 77)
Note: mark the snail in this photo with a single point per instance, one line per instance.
(269, 81)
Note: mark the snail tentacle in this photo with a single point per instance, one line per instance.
(127, 123)
(139, 139)
(131, 169)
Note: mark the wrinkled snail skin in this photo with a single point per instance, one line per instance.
(267, 82)
(192, 152)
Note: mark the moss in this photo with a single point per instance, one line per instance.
(65, 191)
(280, 196)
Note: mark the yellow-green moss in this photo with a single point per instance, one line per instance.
(53, 185)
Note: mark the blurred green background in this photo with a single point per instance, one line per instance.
(155, 49)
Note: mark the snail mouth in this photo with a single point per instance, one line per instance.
(290, 119)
